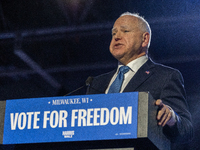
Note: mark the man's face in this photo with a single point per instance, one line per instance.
(127, 39)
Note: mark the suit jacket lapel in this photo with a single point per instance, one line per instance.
(105, 80)
(141, 75)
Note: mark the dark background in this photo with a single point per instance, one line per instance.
(49, 47)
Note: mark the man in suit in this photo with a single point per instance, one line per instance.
(131, 35)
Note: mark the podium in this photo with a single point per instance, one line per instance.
(120, 121)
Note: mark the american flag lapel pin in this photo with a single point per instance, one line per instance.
(147, 72)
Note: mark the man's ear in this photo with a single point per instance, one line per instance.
(145, 38)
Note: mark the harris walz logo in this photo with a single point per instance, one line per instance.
(68, 134)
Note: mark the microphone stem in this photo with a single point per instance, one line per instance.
(74, 91)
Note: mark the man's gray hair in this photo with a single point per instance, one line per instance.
(143, 24)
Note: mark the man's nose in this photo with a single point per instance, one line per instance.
(117, 36)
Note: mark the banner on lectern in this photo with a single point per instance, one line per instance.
(71, 118)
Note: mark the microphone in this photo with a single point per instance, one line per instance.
(87, 83)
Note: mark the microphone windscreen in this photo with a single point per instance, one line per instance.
(88, 81)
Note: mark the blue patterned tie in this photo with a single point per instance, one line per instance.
(116, 85)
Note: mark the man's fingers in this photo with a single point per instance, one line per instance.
(161, 112)
(165, 118)
(159, 103)
(164, 113)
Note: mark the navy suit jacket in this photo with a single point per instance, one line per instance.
(163, 83)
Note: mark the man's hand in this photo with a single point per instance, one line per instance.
(165, 115)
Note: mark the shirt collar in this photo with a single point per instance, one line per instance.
(135, 64)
